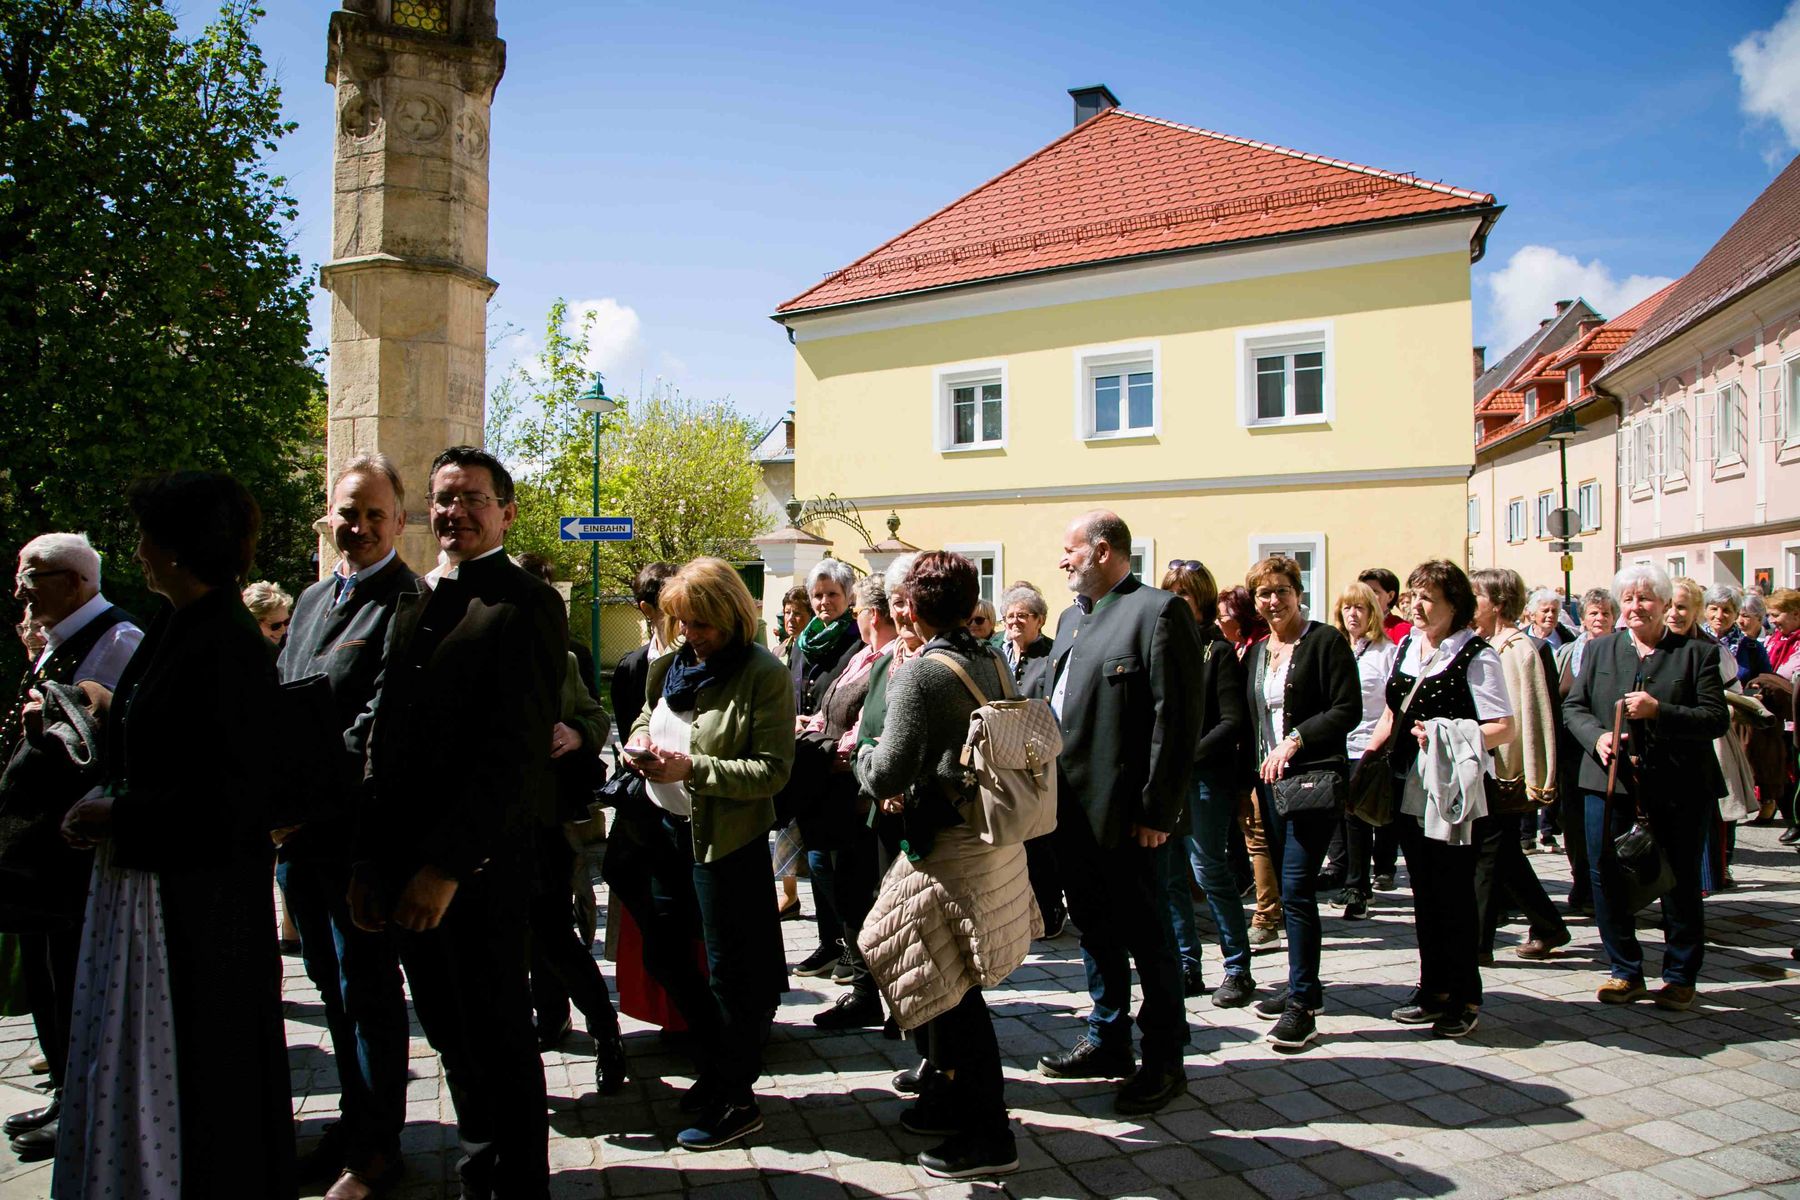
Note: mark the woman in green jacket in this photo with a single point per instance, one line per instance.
(714, 747)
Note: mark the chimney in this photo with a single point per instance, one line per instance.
(1480, 360)
(1592, 323)
(1562, 306)
(1090, 102)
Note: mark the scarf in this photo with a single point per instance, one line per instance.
(820, 640)
(687, 674)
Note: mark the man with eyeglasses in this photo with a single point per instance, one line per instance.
(337, 640)
(459, 755)
(87, 639)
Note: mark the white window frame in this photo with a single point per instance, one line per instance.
(1264, 544)
(1643, 454)
(944, 381)
(1516, 527)
(1572, 384)
(1474, 514)
(1727, 400)
(1585, 488)
(1676, 565)
(1145, 549)
(1546, 504)
(1790, 564)
(1313, 336)
(1675, 443)
(1531, 404)
(971, 550)
(1790, 400)
(1094, 361)
(1771, 409)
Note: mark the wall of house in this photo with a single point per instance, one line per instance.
(1382, 481)
(1719, 513)
(1525, 473)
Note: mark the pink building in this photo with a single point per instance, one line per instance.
(1708, 392)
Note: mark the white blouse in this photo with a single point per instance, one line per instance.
(1374, 663)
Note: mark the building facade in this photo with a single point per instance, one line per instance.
(1708, 459)
(1240, 348)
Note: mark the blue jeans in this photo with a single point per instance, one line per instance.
(745, 964)
(1298, 845)
(1681, 832)
(358, 977)
(1212, 808)
(821, 871)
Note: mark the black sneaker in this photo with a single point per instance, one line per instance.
(933, 1114)
(819, 962)
(1790, 836)
(1345, 898)
(1235, 992)
(843, 973)
(1457, 1024)
(1054, 920)
(1295, 1030)
(1088, 1059)
(853, 1010)
(721, 1126)
(1272, 1008)
(1421, 1010)
(1356, 908)
(1150, 1089)
(968, 1155)
(1191, 983)
(1384, 883)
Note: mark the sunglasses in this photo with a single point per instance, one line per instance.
(278, 626)
(1186, 564)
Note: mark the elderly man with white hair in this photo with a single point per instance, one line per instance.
(87, 639)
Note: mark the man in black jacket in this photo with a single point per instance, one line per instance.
(1127, 662)
(336, 641)
(459, 752)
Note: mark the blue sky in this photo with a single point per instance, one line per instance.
(685, 167)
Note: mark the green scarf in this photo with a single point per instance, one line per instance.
(819, 640)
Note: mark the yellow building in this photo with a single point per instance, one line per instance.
(1240, 348)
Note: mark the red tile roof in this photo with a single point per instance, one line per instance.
(1762, 243)
(1121, 185)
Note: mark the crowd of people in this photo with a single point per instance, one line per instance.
(420, 762)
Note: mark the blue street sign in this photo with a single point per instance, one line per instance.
(597, 529)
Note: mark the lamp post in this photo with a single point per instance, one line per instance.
(593, 399)
(1564, 429)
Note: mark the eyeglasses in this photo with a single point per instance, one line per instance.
(471, 501)
(29, 578)
(1186, 564)
(278, 626)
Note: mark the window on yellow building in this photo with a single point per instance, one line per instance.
(1286, 376)
(1474, 515)
(986, 557)
(1119, 391)
(971, 406)
(1515, 520)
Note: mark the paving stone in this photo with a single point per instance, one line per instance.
(1696, 1178)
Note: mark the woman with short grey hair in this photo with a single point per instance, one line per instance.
(1723, 603)
(1543, 618)
(1754, 615)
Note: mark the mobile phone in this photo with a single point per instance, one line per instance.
(639, 754)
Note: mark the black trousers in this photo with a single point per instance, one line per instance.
(562, 969)
(855, 878)
(1118, 898)
(1443, 883)
(745, 960)
(1373, 850)
(1046, 875)
(470, 993)
(47, 964)
(962, 1042)
(1504, 879)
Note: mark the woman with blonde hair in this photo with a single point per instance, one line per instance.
(272, 608)
(715, 747)
(1357, 614)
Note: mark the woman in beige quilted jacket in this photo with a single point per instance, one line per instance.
(955, 914)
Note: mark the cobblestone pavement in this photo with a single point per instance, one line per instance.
(1554, 1095)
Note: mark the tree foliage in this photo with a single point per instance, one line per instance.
(679, 466)
(151, 315)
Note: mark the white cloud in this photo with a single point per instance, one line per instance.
(615, 340)
(1526, 289)
(1768, 69)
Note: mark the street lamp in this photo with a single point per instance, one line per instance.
(594, 399)
(1564, 428)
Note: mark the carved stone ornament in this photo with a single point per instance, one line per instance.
(359, 116)
(419, 118)
(471, 135)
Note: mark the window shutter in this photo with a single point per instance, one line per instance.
(1740, 415)
(1706, 444)
(1658, 448)
(1771, 414)
(1624, 445)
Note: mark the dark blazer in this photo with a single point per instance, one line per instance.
(812, 677)
(460, 748)
(1322, 700)
(1683, 674)
(188, 759)
(345, 644)
(1032, 674)
(1128, 710)
(628, 681)
(1223, 720)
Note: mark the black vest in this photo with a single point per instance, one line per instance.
(1445, 694)
(60, 667)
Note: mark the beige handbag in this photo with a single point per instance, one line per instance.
(1010, 760)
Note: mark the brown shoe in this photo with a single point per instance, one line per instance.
(1536, 948)
(1622, 991)
(1674, 997)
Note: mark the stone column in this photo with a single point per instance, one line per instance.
(408, 274)
(787, 554)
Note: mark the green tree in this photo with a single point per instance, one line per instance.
(151, 315)
(679, 466)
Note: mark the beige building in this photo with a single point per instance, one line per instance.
(1520, 479)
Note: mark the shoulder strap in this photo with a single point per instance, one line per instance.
(1006, 681)
(980, 696)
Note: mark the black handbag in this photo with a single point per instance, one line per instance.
(1643, 866)
(43, 879)
(1374, 792)
(1309, 791)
